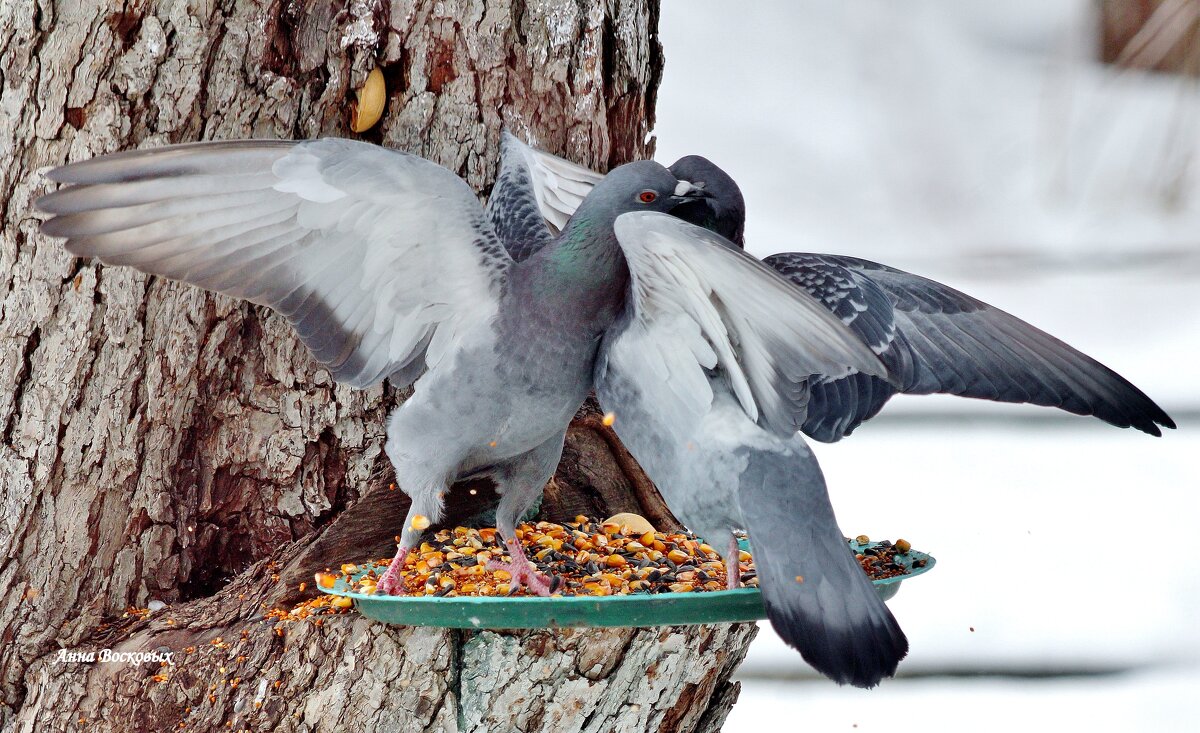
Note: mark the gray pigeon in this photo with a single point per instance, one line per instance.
(816, 596)
(387, 267)
(700, 440)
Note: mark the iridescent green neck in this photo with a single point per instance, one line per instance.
(586, 250)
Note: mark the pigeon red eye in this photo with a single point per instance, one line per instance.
(647, 197)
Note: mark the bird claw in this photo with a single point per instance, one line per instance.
(390, 583)
(523, 574)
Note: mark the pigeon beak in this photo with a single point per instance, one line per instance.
(687, 191)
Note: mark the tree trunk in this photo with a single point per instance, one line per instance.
(1161, 35)
(164, 444)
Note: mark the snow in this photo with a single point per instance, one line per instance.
(1161, 700)
(978, 144)
(915, 131)
(1048, 540)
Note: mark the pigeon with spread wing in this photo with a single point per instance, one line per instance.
(388, 268)
(722, 460)
(680, 373)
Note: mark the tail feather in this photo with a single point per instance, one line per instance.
(816, 595)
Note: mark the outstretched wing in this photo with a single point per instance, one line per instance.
(935, 339)
(380, 260)
(536, 193)
(697, 306)
(513, 206)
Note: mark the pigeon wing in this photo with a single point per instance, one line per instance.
(696, 305)
(380, 260)
(838, 405)
(555, 185)
(513, 207)
(947, 342)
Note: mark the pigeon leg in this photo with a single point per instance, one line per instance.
(390, 582)
(733, 573)
(520, 481)
(523, 572)
(426, 509)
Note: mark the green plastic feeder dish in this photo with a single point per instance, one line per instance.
(531, 612)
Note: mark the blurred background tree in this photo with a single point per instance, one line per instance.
(1160, 35)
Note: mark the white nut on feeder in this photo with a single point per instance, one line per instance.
(635, 522)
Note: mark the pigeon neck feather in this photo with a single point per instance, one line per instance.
(587, 252)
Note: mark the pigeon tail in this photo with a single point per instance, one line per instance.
(817, 596)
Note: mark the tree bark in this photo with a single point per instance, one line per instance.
(164, 444)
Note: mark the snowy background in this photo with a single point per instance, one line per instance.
(978, 143)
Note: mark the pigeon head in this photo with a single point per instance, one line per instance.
(724, 211)
(640, 186)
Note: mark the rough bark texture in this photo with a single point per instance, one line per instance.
(160, 443)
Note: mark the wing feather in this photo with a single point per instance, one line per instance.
(697, 305)
(534, 181)
(378, 259)
(943, 341)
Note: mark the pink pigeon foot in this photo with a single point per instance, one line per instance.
(522, 571)
(733, 570)
(390, 582)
